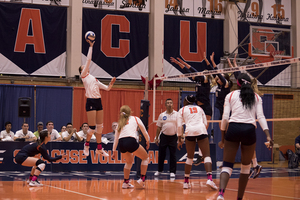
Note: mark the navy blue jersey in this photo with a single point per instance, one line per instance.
(221, 93)
(33, 149)
(202, 92)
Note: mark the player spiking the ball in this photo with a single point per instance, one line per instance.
(93, 106)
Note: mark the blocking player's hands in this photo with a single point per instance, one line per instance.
(114, 155)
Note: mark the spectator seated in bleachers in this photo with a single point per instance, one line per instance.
(24, 134)
(7, 134)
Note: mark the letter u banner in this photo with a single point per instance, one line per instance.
(188, 38)
(121, 44)
(32, 39)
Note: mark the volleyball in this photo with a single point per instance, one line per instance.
(90, 35)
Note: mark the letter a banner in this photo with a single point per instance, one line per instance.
(32, 39)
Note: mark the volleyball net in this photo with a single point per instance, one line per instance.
(278, 81)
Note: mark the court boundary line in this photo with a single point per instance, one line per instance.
(258, 193)
(76, 192)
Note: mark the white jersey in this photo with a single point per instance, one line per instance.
(167, 123)
(194, 118)
(83, 135)
(66, 134)
(7, 136)
(92, 86)
(240, 114)
(20, 134)
(54, 134)
(129, 130)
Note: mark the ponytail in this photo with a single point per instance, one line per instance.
(125, 112)
(247, 94)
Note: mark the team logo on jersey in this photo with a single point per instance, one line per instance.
(164, 117)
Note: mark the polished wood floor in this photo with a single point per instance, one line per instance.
(262, 188)
(275, 183)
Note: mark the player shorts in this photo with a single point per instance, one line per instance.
(20, 158)
(241, 132)
(207, 109)
(128, 144)
(196, 138)
(93, 104)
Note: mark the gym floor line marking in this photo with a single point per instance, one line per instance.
(75, 192)
(273, 195)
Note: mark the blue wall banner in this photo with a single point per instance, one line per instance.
(121, 45)
(74, 159)
(188, 38)
(33, 39)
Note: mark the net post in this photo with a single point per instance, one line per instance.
(146, 92)
(154, 93)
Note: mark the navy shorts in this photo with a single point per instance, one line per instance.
(93, 104)
(128, 144)
(20, 158)
(207, 109)
(196, 138)
(241, 133)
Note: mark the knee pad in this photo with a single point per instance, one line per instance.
(207, 160)
(227, 168)
(189, 161)
(128, 166)
(245, 169)
(91, 130)
(145, 162)
(40, 165)
(99, 128)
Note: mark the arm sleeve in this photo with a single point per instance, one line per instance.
(143, 129)
(236, 74)
(86, 67)
(179, 122)
(45, 155)
(103, 86)
(226, 113)
(260, 115)
(210, 67)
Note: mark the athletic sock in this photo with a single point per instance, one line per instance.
(34, 178)
(99, 146)
(126, 180)
(186, 179)
(221, 192)
(143, 177)
(87, 143)
(254, 161)
(209, 176)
